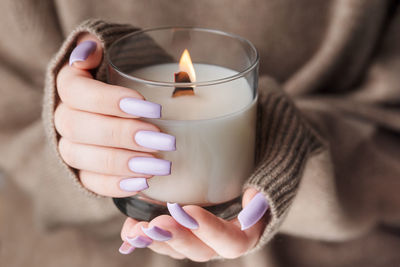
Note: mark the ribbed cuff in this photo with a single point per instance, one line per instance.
(284, 143)
(107, 33)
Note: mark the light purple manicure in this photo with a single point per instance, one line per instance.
(181, 216)
(133, 184)
(140, 108)
(155, 140)
(253, 212)
(82, 51)
(148, 165)
(156, 233)
(126, 248)
(139, 241)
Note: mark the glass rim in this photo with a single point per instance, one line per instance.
(191, 84)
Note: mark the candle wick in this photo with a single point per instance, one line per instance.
(182, 77)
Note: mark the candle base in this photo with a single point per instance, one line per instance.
(142, 210)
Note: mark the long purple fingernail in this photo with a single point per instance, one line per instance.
(152, 166)
(181, 216)
(126, 248)
(82, 51)
(140, 108)
(156, 233)
(155, 140)
(133, 184)
(253, 212)
(139, 241)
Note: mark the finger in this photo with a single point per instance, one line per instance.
(165, 249)
(127, 226)
(95, 129)
(183, 241)
(255, 205)
(88, 52)
(226, 238)
(248, 195)
(112, 186)
(79, 90)
(112, 161)
(127, 248)
(133, 234)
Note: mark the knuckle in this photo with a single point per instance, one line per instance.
(96, 183)
(66, 151)
(85, 179)
(64, 83)
(127, 91)
(125, 228)
(60, 80)
(98, 100)
(63, 121)
(200, 258)
(135, 230)
(198, 212)
(177, 257)
(145, 125)
(110, 160)
(167, 222)
(162, 218)
(69, 88)
(235, 252)
(117, 132)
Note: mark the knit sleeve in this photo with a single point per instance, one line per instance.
(285, 141)
(107, 33)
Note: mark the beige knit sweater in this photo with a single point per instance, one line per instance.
(328, 119)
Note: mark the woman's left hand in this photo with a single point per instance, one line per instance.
(203, 236)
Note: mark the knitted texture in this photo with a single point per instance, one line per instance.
(284, 143)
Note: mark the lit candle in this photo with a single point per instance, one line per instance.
(214, 129)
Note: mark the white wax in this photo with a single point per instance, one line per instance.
(208, 101)
(215, 135)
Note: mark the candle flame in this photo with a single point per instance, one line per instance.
(186, 65)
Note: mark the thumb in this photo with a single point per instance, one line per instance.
(248, 195)
(87, 54)
(255, 205)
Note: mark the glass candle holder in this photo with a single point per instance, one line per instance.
(214, 126)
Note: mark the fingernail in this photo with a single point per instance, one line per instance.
(152, 166)
(140, 241)
(140, 108)
(126, 248)
(155, 140)
(82, 51)
(253, 212)
(181, 216)
(157, 233)
(133, 184)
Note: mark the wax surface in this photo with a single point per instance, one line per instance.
(208, 101)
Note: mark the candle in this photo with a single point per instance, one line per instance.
(213, 117)
(215, 133)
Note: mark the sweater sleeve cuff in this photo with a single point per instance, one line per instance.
(284, 143)
(107, 33)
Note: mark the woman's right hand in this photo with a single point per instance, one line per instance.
(101, 134)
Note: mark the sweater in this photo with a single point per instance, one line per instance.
(328, 117)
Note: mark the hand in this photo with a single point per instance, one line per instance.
(100, 133)
(204, 235)
(102, 137)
